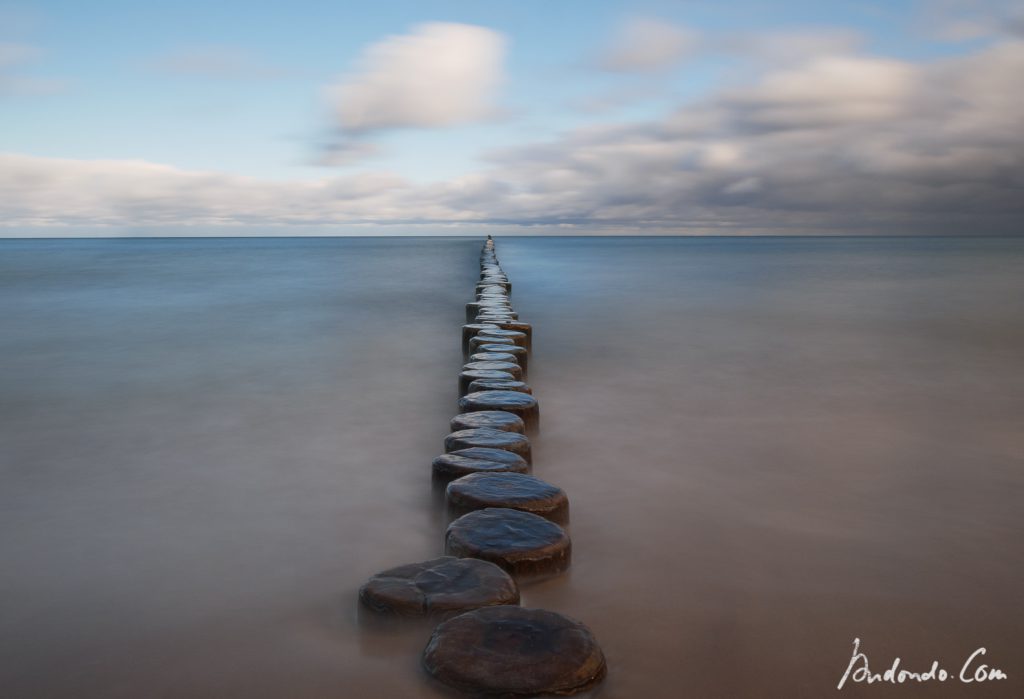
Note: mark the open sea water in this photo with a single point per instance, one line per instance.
(771, 446)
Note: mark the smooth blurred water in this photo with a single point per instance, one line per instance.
(771, 446)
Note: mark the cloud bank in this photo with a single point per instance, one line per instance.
(831, 141)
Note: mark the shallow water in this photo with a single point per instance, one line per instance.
(771, 446)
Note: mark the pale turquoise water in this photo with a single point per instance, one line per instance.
(771, 446)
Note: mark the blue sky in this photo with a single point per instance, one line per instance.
(252, 90)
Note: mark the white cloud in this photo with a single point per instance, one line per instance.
(439, 75)
(831, 90)
(216, 61)
(648, 45)
(781, 48)
(15, 61)
(12, 54)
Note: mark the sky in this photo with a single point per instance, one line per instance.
(526, 117)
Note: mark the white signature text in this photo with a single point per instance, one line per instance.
(973, 670)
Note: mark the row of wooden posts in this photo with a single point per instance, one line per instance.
(508, 531)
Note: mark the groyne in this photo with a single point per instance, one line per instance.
(507, 533)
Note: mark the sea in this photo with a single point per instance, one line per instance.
(771, 447)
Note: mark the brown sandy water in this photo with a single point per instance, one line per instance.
(770, 447)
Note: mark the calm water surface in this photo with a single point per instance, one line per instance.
(771, 446)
